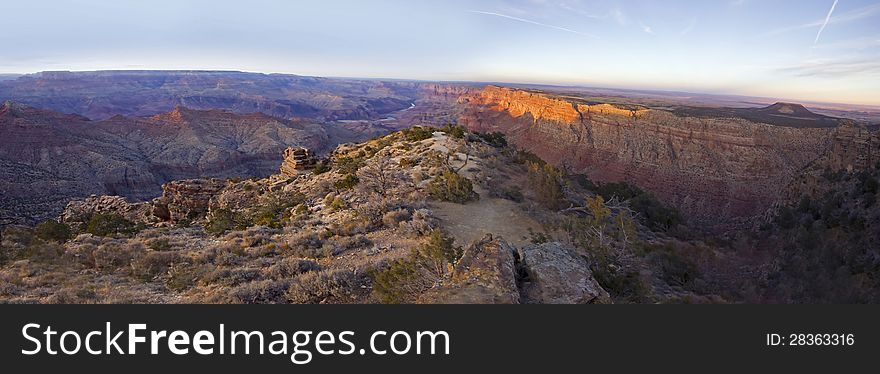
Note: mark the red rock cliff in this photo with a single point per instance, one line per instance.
(718, 171)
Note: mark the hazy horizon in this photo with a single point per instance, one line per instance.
(808, 51)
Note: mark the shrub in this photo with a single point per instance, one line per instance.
(151, 264)
(51, 230)
(407, 162)
(108, 258)
(323, 286)
(495, 139)
(305, 244)
(418, 133)
(399, 283)
(450, 186)
(657, 216)
(261, 292)
(422, 223)
(110, 224)
(512, 193)
(183, 276)
(275, 211)
(291, 267)
(622, 190)
(348, 165)
(321, 167)
(546, 181)
(454, 131)
(346, 183)
(338, 204)
(438, 252)
(223, 220)
(161, 244)
(404, 280)
(393, 218)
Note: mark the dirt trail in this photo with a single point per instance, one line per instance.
(472, 221)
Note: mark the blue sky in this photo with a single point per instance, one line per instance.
(766, 48)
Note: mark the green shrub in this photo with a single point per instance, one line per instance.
(454, 131)
(450, 186)
(622, 190)
(346, 183)
(418, 133)
(657, 216)
(321, 167)
(348, 165)
(110, 224)
(495, 139)
(407, 162)
(223, 220)
(161, 244)
(51, 230)
(404, 280)
(546, 181)
(338, 204)
(399, 283)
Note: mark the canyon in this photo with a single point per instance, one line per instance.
(720, 167)
(75, 134)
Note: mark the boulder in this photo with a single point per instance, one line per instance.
(555, 274)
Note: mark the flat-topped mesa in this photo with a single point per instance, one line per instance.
(297, 161)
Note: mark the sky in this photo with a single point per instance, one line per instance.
(817, 50)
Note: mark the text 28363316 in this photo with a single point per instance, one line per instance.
(811, 339)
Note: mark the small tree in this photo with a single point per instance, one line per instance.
(547, 183)
(379, 177)
(52, 230)
(452, 187)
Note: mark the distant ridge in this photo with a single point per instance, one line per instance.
(789, 109)
(779, 114)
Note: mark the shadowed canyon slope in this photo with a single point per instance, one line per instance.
(49, 158)
(721, 167)
(103, 94)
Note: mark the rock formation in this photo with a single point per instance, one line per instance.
(555, 274)
(186, 200)
(297, 161)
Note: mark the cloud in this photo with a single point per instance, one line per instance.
(833, 68)
(647, 29)
(827, 18)
(523, 20)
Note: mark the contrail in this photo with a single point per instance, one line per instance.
(534, 23)
(827, 18)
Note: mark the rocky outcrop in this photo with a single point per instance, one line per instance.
(720, 171)
(186, 200)
(486, 274)
(555, 274)
(297, 161)
(78, 212)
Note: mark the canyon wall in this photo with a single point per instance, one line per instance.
(720, 172)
